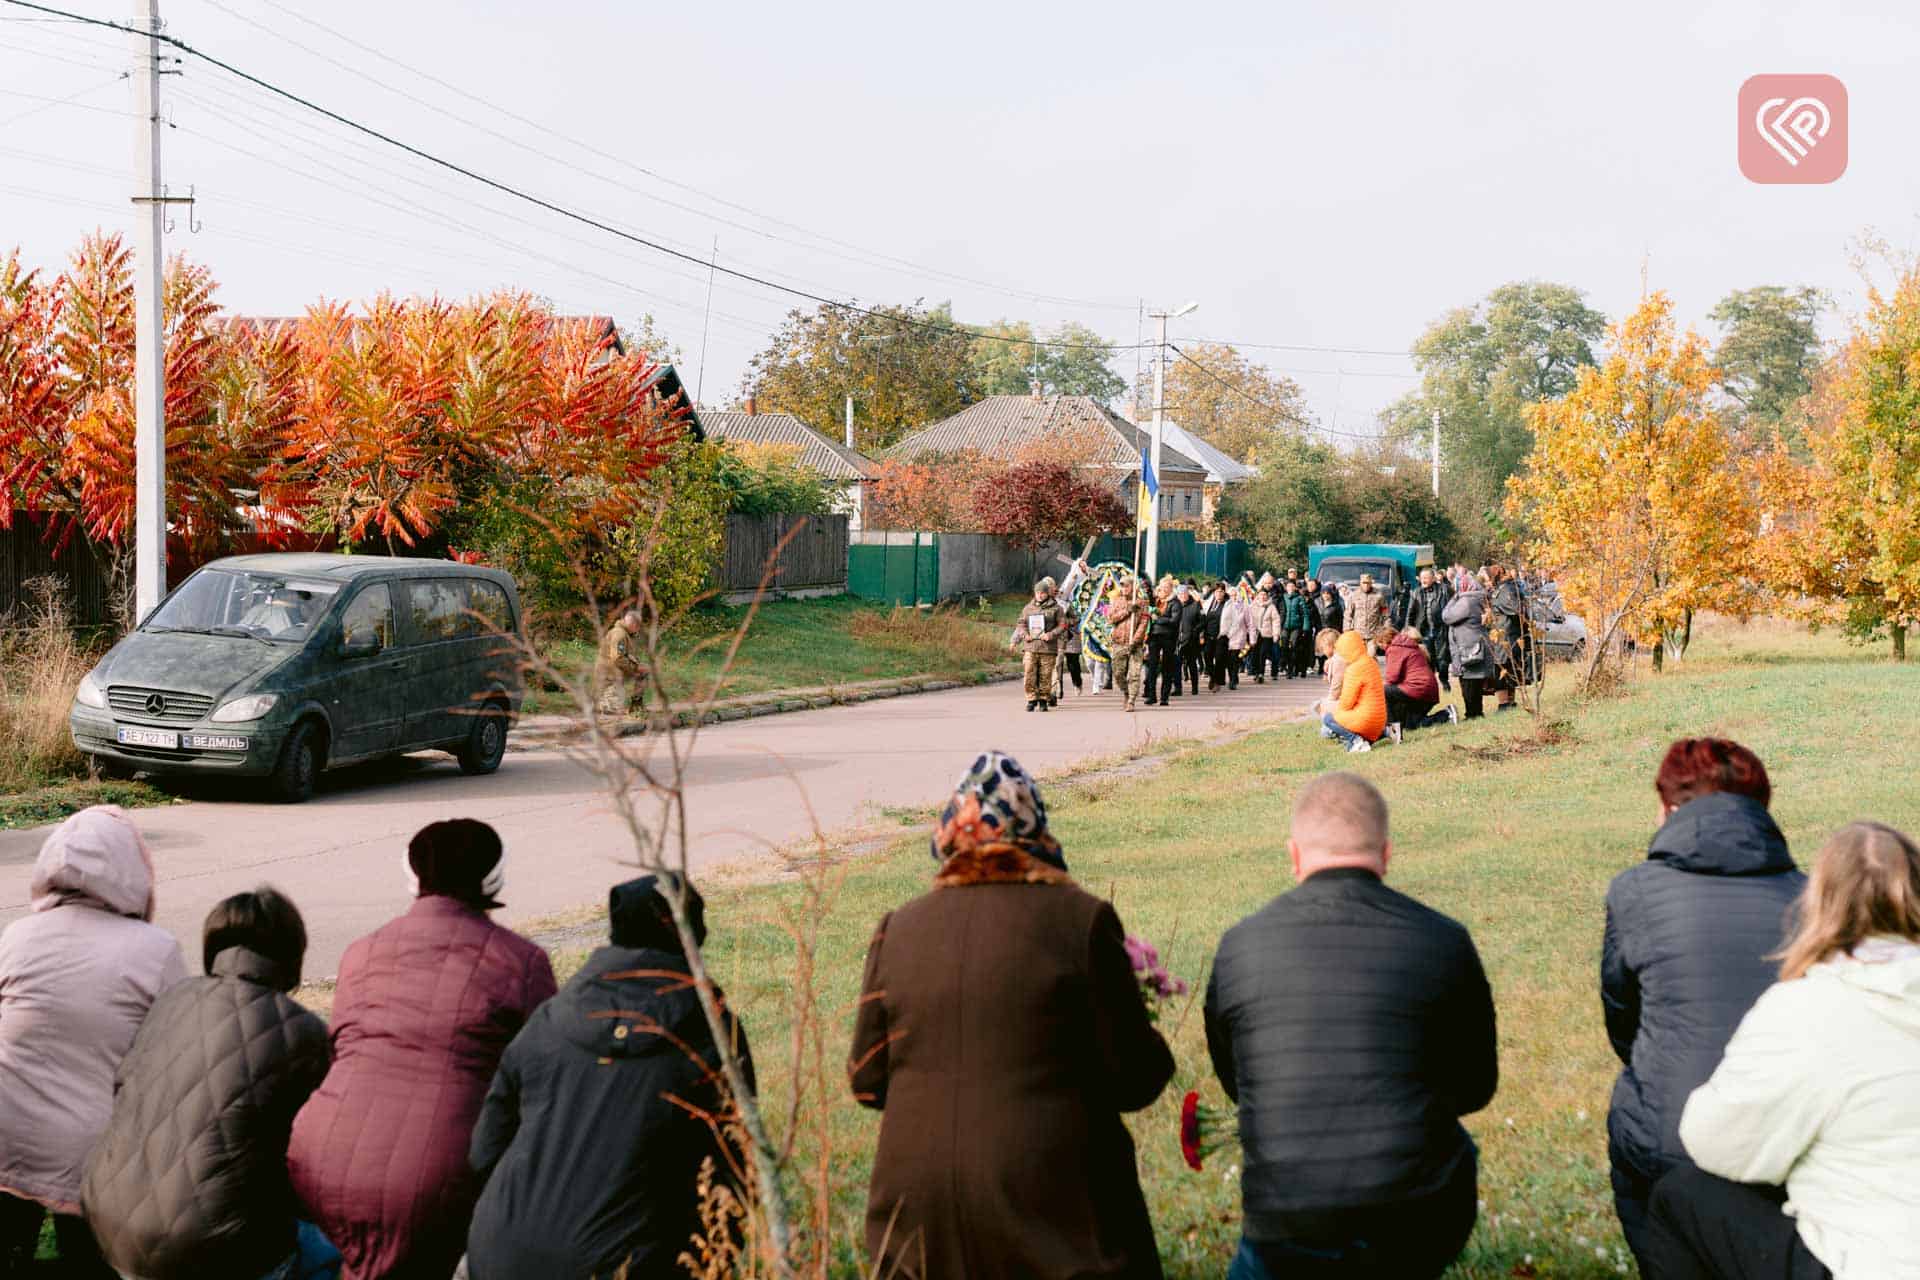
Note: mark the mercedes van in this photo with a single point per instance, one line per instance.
(282, 666)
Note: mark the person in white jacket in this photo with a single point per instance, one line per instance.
(1819, 1094)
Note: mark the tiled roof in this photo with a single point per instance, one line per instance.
(819, 454)
(999, 426)
(1221, 467)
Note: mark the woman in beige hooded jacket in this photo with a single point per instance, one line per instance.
(77, 976)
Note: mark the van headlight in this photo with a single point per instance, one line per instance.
(251, 707)
(90, 693)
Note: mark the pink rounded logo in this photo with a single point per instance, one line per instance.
(1793, 129)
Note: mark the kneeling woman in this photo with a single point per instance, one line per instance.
(1817, 1101)
(1002, 1032)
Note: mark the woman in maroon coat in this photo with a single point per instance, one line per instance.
(424, 1008)
(1002, 1032)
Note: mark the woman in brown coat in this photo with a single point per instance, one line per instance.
(1002, 1032)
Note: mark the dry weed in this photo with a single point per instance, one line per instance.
(41, 663)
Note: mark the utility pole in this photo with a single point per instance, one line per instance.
(1436, 453)
(149, 363)
(849, 420)
(1159, 418)
(706, 323)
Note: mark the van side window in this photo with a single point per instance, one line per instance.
(370, 614)
(492, 615)
(439, 609)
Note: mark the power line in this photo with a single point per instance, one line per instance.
(1287, 346)
(1250, 398)
(867, 253)
(530, 198)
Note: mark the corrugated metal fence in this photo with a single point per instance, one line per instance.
(812, 554)
(27, 554)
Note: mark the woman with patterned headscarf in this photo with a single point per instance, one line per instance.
(1001, 1033)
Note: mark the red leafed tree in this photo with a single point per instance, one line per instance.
(1038, 502)
(66, 401)
(934, 495)
(419, 405)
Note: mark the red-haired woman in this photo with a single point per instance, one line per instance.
(1688, 936)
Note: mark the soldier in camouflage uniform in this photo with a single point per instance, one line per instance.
(1131, 620)
(1038, 635)
(623, 677)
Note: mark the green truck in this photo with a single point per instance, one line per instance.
(1395, 567)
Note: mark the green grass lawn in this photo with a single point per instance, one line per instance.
(793, 644)
(1518, 847)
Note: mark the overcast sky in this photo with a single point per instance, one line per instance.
(1314, 176)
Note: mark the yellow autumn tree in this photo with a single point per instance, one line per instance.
(1842, 528)
(1631, 495)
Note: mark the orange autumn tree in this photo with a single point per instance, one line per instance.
(418, 407)
(1631, 495)
(66, 401)
(1842, 528)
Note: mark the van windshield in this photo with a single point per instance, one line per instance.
(263, 606)
(1346, 572)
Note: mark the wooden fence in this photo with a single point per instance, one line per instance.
(26, 554)
(812, 556)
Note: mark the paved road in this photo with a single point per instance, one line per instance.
(339, 856)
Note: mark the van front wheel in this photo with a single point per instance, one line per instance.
(486, 742)
(298, 769)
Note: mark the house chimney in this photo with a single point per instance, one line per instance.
(1033, 385)
(749, 405)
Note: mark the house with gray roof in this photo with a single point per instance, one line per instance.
(843, 466)
(1223, 471)
(1004, 427)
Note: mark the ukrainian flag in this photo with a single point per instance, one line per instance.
(1149, 490)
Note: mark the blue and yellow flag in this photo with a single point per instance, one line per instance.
(1149, 490)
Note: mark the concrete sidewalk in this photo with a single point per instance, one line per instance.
(752, 786)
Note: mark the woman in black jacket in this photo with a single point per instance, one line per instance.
(590, 1163)
(190, 1180)
(1329, 614)
(1685, 954)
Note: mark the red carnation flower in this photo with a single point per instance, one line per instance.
(1190, 1130)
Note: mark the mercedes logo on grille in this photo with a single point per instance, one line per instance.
(156, 703)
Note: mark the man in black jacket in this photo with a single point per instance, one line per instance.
(1423, 611)
(1192, 638)
(1685, 954)
(1353, 1026)
(589, 1140)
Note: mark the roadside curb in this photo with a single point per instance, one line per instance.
(536, 733)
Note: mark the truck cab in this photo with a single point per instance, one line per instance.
(1395, 567)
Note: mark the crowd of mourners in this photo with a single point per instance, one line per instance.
(1481, 628)
(458, 1115)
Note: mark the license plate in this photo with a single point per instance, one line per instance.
(215, 742)
(134, 737)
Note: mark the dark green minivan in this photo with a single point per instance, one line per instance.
(281, 666)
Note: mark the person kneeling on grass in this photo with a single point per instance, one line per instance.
(1807, 1135)
(593, 1134)
(1001, 1074)
(1353, 1026)
(1412, 687)
(1358, 716)
(189, 1181)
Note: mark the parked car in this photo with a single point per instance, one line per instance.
(1562, 635)
(282, 666)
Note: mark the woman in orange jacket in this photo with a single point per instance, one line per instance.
(1360, 716)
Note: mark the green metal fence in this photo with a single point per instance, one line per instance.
(1182, 554)
(895, 568)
